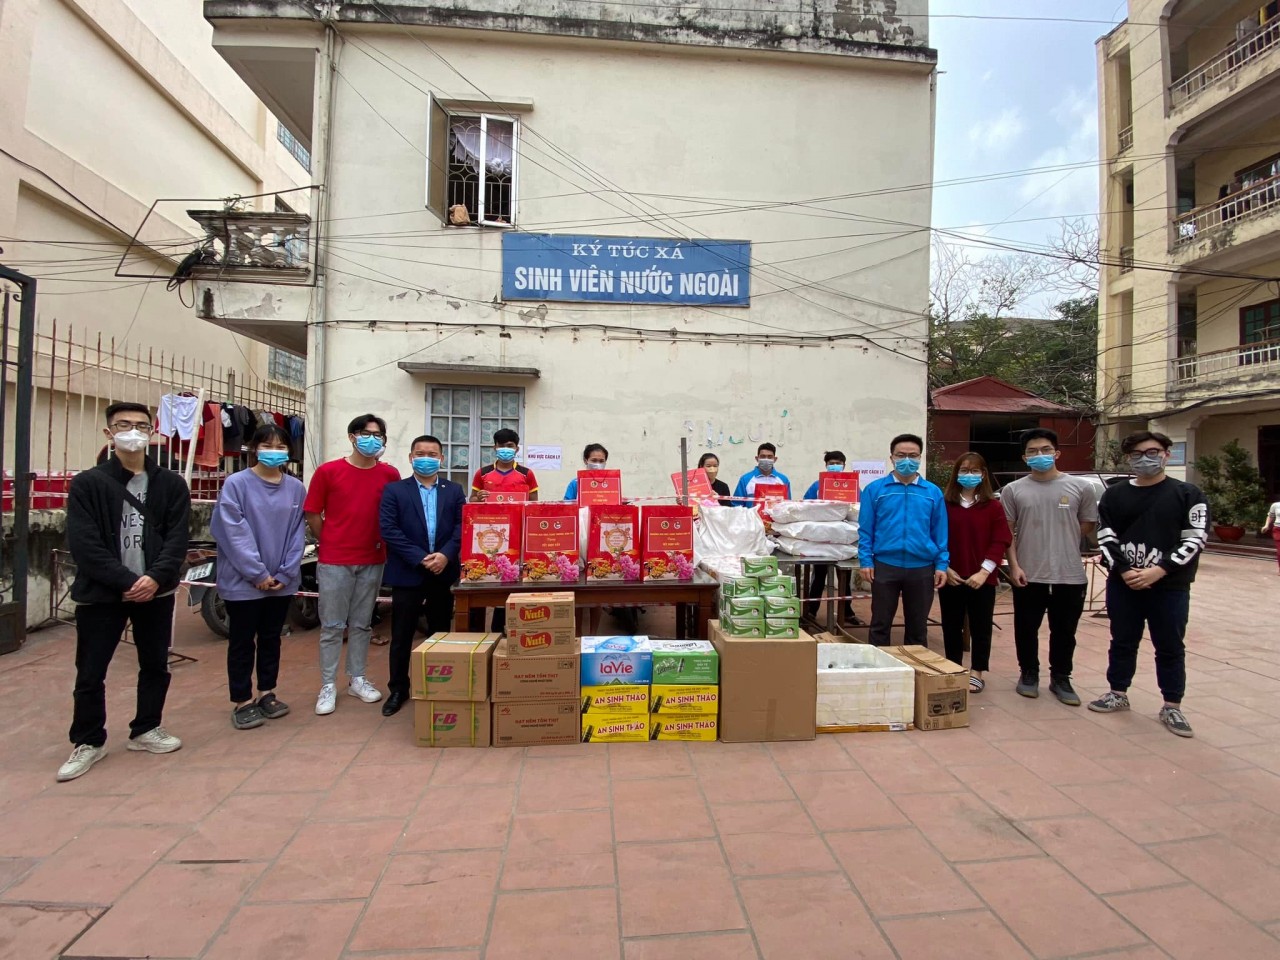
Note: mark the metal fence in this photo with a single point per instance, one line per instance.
(78, 373)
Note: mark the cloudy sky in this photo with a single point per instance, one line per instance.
(1015, 95)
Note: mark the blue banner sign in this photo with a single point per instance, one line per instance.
(544, 266)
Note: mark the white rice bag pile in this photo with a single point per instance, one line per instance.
(817, 551)
(820, 531)
(795, 511)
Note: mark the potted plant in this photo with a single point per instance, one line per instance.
(1234, 488)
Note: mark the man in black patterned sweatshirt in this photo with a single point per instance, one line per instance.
(1151, 531)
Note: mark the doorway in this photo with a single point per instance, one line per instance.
(995, 436)
(1269, 460)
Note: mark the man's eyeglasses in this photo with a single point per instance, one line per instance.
(368, 433)
(120, 426)
(1137, 455)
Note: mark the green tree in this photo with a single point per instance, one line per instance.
(1232, 485)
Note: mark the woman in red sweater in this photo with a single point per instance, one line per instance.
(978, 536)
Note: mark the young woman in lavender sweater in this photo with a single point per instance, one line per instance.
(258, 524)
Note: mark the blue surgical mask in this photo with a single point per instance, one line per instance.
(1042, 462)
(505, 454)
(907, 466)
(969, 480)
(369, 446)
(835, 468)
(273, 458)
(426, 466)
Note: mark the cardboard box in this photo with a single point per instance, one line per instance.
(684, 699)
(735, 627)
(743, 586)
(768, 688)
(451, 723)
(780, 607)
(491, 542)
(666, 542)
(550, 546)
(684, 661)
(542, 624)
(781, 587)
(743, 608)
(842, 486)
(616, 700)
(942, 688)
(599, 487)
(760, 566)
(613, 542)
(452, 666)
(605, 660)
(683, 728)
(617, 730)
(782, 628)
(536, 724)
(525, 677)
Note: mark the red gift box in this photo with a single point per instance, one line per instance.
(599, 486)
(838, 486)
(767, 494)
(551, 548)
(699, 487)
(491, 542)
(667, 542)
(613, 542)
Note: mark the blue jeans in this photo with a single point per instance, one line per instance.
(1164, 613)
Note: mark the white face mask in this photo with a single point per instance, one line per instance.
(596, 465)
(131, 441)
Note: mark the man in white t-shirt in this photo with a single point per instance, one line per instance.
(1272, 526)
(1049, 511)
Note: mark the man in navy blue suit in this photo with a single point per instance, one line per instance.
(421, 521)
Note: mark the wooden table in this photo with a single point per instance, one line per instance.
(471, 599)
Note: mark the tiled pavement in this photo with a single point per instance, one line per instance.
(1041, 831)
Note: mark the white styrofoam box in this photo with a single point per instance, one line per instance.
(860, 685)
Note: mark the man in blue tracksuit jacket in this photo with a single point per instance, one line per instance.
(902, 543)
(764, 472)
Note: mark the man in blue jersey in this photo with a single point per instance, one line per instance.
(902, 543)
(765, 472)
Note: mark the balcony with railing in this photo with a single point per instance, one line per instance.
(1249, 361)
(1214, 226)
(1218, 70)
(253, 246)
(1126, 139)
(1125, 263)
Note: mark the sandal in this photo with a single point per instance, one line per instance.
(271, 706)
(247, 717)
(976, 684)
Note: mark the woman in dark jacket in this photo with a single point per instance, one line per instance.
(711, 463)
(978, 536)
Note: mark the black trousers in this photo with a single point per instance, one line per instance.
(915, 587)
(255, 636)
(818, 574)
(433, 598)
(979, 606)
(99, 629)
(1064, 602)
(1164, 614)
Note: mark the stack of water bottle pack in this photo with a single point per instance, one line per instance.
(760, 602)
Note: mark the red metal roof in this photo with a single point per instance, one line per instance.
(993, 395)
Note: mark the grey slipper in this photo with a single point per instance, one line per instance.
(247, 717)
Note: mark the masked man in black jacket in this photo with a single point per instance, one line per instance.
(128, 531)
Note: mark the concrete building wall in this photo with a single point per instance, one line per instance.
(635, 140)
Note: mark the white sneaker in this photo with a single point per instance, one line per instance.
(327, 702)
(155, 740)
(82, 758)
(366, 691)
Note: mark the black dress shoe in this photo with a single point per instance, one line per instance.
(393, 704)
